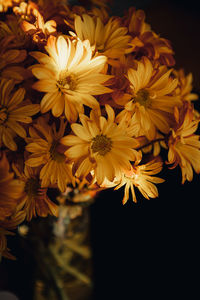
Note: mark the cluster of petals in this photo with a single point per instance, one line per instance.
(88, 101)
(100, 145)
(151, 102)
(110, 39)
(66, 75)
(140, 176)
(43, 144)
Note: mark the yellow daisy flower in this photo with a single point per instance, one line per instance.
(152, 102)
(13, 112)
(34, 198)
(10, 189)
(46, 152)
(110, 39)
(69, 76)
(184, 145)
(100, 145)
(140, 176)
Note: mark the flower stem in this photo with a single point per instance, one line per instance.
(151, 143)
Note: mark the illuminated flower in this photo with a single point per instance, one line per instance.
(140, 176)
(46, 152)
(152, 103)
(144, 41)
(184, 145)
(110, 39)
(100, 145)
(34, 198)
(13, 111)
(10, 189)
(69, 76)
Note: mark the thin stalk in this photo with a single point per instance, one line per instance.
(151, 143)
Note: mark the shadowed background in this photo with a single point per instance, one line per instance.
(150, 249)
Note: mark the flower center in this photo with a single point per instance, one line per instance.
(32, 186)
(3, 114)
(101, 144)
(55, 155)
(66, 81)
(133, 174)
(143, 98)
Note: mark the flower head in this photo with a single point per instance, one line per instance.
(44, 144)
(100, 145)
(140, 176)
(69, 76)
(152, 103)
(13, 112)
(34, 198)
(110, 39)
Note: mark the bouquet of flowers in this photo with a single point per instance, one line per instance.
(88, 101)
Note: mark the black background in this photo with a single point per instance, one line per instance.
(149, 249)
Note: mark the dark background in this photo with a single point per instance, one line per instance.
(149, 249)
